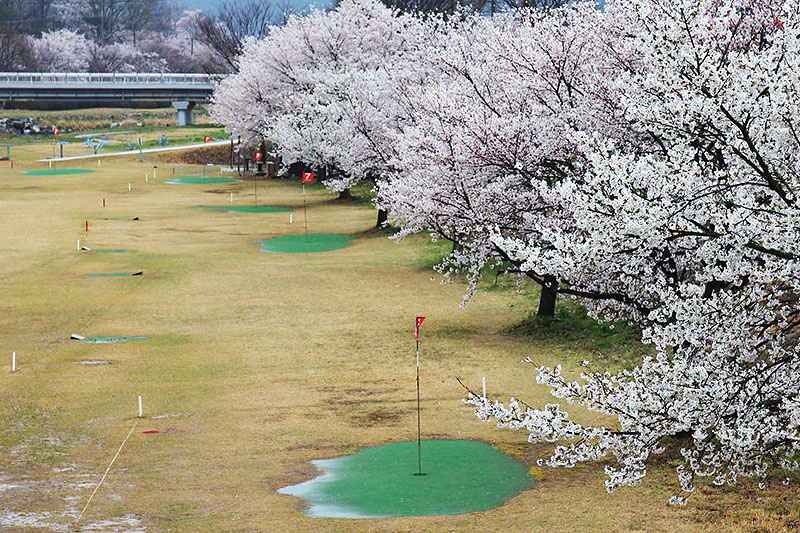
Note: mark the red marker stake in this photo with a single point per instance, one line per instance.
(104, 202)
(87, 225)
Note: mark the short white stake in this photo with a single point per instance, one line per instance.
(154, 173)
(231, 197)
(484, 387)
(140, 407)
(98, 162)
(146, 178)
(129, 186)
(79, 245)
(13, 361)
(51, 164)
(290, 218)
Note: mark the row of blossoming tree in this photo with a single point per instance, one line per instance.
(643, 159)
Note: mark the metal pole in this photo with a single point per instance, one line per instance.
(419, 422)
(305, 214)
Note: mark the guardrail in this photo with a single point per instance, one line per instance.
(156, 78)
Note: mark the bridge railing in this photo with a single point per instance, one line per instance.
(156, 78)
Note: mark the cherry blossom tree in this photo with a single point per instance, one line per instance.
(696, 241)
(313, 87)
(61, 51)
(494, 126)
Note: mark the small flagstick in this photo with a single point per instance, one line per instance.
(417, 324)
(484, 387)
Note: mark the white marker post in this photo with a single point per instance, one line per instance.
(231, 197)
(13, 361)
(154, 173)
(51, 164)
(290, 218)
(140, 406)
(79, 245)
(146, 178)
(129, 186)
(98, 162)
(484, 387)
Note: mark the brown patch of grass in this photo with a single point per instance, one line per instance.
(281, 359)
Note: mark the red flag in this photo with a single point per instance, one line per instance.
(207, 139)
(56, 131)
(420, 320)
(308, 177)
(258, 156)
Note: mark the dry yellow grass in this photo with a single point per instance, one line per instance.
(257, 363)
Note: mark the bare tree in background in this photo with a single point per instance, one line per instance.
(15, 50)
(105, 17)
(28, 16)
(234, 22)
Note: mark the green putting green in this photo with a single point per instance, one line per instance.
(114, 251)
(109, 275)
(56, 171)
(461, 476)
(104, 340)
(248, 208)
(198, 180)
(303, 244)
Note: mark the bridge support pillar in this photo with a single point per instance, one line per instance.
(184, 112)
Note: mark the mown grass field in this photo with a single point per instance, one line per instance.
(257, 363)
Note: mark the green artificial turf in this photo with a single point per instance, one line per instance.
(109, 275)
(249, 208)
(461, 476)
(56, 171)
(104, 340)
(300, 244)
(198, 180)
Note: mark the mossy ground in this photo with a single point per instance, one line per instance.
(256, 363)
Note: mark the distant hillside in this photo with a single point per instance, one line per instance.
(210, 6)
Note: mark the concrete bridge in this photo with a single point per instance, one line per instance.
(182, 91)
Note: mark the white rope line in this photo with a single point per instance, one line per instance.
(106, 472)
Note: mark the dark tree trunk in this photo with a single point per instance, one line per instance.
(547, 300)
(383, 215)
(345, 195)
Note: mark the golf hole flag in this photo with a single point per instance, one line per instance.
(308, 177)
(207, 139)
(258, 156)
(417, 324)
(56, 131)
